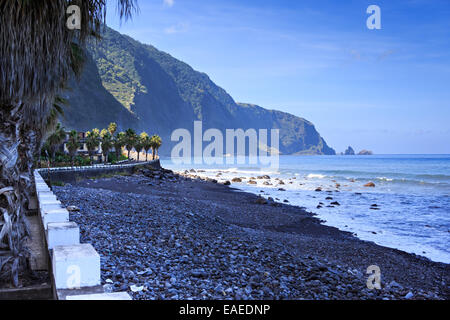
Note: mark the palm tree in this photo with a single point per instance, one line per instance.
(55, 140)
(38, 55)
(139, 144)
(130, 140)
(118, 143)
(73, 144)
(147, 144)
(107, 143)
(156, 142)
(112, 128)
(56, 111)
(92, 142)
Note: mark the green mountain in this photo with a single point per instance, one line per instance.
(138, 86)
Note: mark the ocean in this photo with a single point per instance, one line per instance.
(411, 194)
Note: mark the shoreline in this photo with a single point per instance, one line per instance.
(346, 205)
(198, 239)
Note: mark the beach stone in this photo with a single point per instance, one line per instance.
(394, 285)
(108, 288)
(236, 180)
(409, 295)
(370, 185)
(190, 241)
(261, 200)
(199, 273)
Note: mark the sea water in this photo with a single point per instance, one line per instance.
(411, 193)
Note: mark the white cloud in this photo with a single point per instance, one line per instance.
(169, 3)
(178, 28)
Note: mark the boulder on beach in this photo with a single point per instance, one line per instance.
(73, 208)
(370, 185)
(264, 177)
(227, 183)
(252, 182)
(261, 200)
(236, 180)
(318, 189)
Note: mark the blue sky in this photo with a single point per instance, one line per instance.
(386, 90)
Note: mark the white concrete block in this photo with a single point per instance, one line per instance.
(41, 184)
(102, 296)
(76, 266)
(44, 192)
(49, 205)
(50, 216)
(62, 234)
(47, 196)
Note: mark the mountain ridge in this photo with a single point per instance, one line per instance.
(139, 86)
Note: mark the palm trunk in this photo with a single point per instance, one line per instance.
(138, 156)
(153, 154)
(146, 156)
(18, 143)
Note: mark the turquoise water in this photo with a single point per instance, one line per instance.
(412, 193)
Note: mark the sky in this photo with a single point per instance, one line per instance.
(386, 90)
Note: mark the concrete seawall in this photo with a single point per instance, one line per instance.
(74, 174)
(74, 267)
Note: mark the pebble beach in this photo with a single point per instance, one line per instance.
(163, 235)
